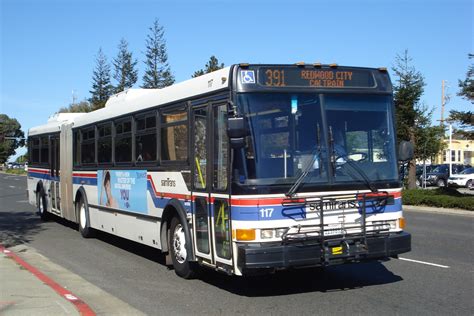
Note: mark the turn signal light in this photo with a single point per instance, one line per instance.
(401, 223)
(245, 234)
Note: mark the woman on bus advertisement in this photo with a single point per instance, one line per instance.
(123, 189)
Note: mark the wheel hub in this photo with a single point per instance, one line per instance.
(179, 244)
(82, 215)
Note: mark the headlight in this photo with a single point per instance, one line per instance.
(266, 233)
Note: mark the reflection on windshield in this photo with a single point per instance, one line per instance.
(363, 132)
(286, 133)
(288, 138)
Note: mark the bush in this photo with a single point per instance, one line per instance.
(16, 171)
(442, 197)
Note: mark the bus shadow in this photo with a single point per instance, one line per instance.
(330, 279)
(18, 227)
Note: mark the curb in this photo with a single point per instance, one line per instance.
(437, 210)
(79, 304)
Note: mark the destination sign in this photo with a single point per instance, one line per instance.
(318, 78)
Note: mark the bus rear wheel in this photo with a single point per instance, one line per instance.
(41, 205)
(179, 254)
(83, 217)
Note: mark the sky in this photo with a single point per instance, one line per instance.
(48, 47)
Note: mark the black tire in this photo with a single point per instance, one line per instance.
(470, 185)
(83, 219)
(441, 183)
(41, 205)
(178, 250)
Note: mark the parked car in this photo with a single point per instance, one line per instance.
(439, 175)
(419, 173)
(463, 179)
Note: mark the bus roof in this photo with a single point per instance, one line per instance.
(133, 100)
(54, 123)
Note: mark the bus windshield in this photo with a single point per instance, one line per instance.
(324, 135)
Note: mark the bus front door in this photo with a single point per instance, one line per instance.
(54, 187)
(211, 217)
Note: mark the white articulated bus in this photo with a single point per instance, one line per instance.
(251, 168)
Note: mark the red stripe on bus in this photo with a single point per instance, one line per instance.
(45, 171)
(79, 304)
(277, 201)
(85, 175)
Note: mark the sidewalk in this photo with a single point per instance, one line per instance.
(23, 293)
(439, 210)
(27, 288)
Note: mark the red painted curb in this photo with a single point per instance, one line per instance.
(80, 305)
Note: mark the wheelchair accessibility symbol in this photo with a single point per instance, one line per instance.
(247, 76)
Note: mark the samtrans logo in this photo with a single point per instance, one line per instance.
(168, 183)
(334, 205)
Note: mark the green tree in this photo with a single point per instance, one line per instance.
(157, 72)
(101, 87)
(81, 107)
(407, 96)
(22, 158)
(125, 73)
(11, 137)
(212, 65)
(429, 138)
(464, 120)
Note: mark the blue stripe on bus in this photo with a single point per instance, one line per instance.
(42, 176)
(84, 180)
(241, 213)
(296, 212)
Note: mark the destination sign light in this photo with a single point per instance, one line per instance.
(318, 78)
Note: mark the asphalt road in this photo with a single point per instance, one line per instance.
(137, 275)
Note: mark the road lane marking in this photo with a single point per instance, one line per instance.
(11, 186)
(424, 262)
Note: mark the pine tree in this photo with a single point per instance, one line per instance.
(464, 120)
(157, 72)
(407, 96)
(101, 87)
(125, 73)
(81, 107)
(212, 65)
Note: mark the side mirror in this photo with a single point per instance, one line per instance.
(237, 130)
(405, 151)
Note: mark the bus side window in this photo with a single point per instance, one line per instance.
(174, 135)
(123, 141)
(88, 145)
(145, 138)
(34, 150)
(44, 150)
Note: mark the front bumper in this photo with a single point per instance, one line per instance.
(457, 182)
(261, 256)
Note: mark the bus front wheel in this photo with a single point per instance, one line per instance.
(83, 216)
(178, 249)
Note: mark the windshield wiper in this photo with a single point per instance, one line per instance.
(349, 162)
(305, 171)
(315, 155)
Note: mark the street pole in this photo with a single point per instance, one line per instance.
(450, 150)
(442, 102)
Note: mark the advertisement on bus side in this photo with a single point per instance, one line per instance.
(123, 189)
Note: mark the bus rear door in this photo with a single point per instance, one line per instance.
(54, 171)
